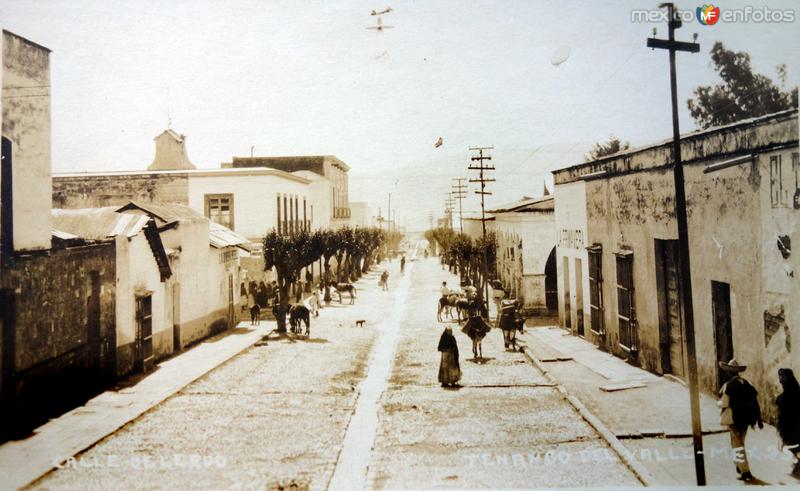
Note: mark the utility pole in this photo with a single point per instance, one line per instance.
(683, 234)
(481, 168)
(460, 192)
(380, 219)
(389, 213)
(448, 204)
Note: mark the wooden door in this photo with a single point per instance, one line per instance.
(723, 332)
(672, 309)
(144, 333)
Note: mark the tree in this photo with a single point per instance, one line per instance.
(742, 93)
(288, 254)
(612, 146)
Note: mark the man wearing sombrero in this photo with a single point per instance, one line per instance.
(740, 410)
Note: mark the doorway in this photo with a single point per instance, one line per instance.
(670, 312)
(144, 333)
(551, 283)
(567, 306)
(6, 200)
(579, 296)
(723, 332)
(176, 317)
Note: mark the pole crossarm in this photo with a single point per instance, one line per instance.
(673, 45)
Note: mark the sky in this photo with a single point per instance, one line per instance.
(308, 78)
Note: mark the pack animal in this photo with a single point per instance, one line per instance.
(345, 287)
(299, 313)
(446, 305)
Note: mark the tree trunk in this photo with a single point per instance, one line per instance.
(283, 305)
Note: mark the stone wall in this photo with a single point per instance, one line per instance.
(55, 358)
(91, 191)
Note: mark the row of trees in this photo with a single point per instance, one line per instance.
(355, 250)
(465, 255)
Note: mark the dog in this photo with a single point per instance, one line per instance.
(360, 323)
(299, 313)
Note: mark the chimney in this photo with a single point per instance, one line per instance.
(170, 152)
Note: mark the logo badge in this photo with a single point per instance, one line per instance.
(708, 15)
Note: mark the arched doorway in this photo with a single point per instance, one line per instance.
(551, 283)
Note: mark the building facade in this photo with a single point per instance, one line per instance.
(525, 234)
(327, 166)
(57, 295)
(743, 194)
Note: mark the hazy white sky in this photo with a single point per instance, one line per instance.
(294, 78)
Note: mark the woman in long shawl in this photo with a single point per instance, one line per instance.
(449, 369)
(789, 415)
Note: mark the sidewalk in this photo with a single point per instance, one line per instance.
(650, 414)
(24, 461)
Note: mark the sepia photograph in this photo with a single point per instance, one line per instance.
(447, 244)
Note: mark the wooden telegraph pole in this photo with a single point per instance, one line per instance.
(481, 168)
(683, 235)
(460, 192)
(448, 204)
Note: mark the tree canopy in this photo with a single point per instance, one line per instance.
(612, 146)
(742, 93)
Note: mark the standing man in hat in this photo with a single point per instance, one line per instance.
(739, 410)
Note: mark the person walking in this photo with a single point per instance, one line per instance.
(449, 369)
(402, 264)
(739, 411)
(788, 403)
(255, 311)
(384, 281)
(314, 302)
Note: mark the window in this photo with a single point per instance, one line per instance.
(596, 289)
(219, 209)
(285, 216)
(626, 311)
(775, 181)
(796, 172)
(278, 207)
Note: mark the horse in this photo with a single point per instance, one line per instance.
(299, 313)
(446, 305)
(345, 287)
(476, 328)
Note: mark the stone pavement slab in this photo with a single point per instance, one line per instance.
(507, 426)
(273, 414)
(23, 461)
(654, 421)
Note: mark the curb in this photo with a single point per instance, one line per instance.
(36, 475)
(625, 455)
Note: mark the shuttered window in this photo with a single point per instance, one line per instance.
(626, 311)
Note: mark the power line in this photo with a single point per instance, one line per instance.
(460, 192)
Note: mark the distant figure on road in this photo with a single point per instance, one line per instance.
(449, 369)
(740, 410)
(789, 415)
(255, 311)
(402, 264)
(384, 282)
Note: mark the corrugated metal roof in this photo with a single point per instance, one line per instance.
(526, 204)
(166, 212)
(220, 236)
(97, 223)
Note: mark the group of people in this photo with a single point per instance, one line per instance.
(257, 296)
(740, 411)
